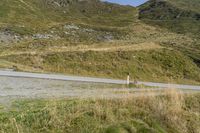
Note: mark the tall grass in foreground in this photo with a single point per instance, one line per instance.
(172, 112)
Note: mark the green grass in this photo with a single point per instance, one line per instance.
(192, 5)
(179, 16)
(29, 17)
(173, 112)
(150, 65)
(172, 15)
(40, 15)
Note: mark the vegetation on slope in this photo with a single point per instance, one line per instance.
(172, 112)
(40, 15)
(180, 16)
(172, 15)
(155, 65)
(192, 5)
(59, 36)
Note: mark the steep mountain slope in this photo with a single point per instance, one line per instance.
(40, 14)
(180, 16)
(74, 20)
(189, 5)
(90, 37)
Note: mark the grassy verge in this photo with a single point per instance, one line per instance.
(172, 112)
(157, 65)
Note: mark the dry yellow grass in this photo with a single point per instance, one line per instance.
(171, 112)
(107, 47)
(10, 65)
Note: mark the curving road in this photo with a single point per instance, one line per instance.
(92, 80)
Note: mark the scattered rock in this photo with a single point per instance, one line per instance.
(42, 36)
(7, 37)
(45, 36)
(72, 26)
(88, 30)
(107, 37)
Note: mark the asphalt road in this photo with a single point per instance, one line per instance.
(91, 80)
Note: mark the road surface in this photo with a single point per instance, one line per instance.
(18, 88)
(92, 80)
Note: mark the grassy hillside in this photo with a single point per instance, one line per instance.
(180, 16)
(37, 15)
(80, 37)
(158, 41)
(74, 21)
(192, 5)
(173, 15)
(150, 65)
